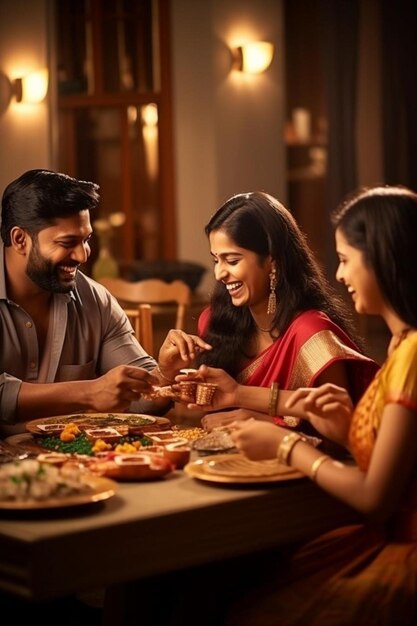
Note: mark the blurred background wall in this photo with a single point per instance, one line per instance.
(348, 65)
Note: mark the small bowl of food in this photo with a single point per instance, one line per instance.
(218, 441)
(178, 453)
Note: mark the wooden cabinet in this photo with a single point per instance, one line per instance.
(306, 148)
(306, 186)
(114, 116)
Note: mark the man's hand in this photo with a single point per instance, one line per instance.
(115, 390)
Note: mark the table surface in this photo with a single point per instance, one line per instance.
(152, 528)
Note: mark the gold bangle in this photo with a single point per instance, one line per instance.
(286, 446)
(316, 464)
(273, 399)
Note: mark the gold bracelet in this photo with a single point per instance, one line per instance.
(316, 464)
(273, 399)
(169, 380)
(286, 446)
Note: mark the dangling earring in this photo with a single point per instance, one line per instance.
(272, 300)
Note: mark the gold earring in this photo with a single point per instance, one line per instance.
(272, 300)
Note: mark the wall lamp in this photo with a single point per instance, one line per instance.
(254, 57)
(30, 89)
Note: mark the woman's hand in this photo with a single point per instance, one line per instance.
(257, 440)
(179, 351)
(328, 408)
(225, 418)
(226, 392)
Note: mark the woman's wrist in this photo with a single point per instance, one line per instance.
(245, 397)
(286, 446)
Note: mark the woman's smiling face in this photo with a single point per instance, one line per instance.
(244, 274)
(358, 278)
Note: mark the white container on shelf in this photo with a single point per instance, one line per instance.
(301, 120)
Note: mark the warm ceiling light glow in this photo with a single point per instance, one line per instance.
(33, 87)
(254, 57)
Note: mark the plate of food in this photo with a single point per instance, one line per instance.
(237, 468)
(45, 425)
(89, 433)
(217, 440)
(122, 451)
(32, 485)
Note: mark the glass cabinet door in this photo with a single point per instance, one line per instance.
(114, 117)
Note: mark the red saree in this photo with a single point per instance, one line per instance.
(311, 344)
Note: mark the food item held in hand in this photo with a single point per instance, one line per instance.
(188, 390)
(159, 392)
(189, 371)
(205, 393)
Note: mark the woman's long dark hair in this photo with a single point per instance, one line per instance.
(381, 222)
(258, 222)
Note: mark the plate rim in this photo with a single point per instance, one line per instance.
(192, 469)
(32, 425)
(104, 488)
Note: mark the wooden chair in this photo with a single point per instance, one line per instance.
(151, 291)
(141, 320)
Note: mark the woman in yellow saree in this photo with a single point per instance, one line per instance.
(364, 574)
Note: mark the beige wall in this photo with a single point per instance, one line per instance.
(24, 128)
(227, 126)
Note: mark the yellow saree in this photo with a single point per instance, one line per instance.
(361, 575)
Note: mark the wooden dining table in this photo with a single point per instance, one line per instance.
(153, 528)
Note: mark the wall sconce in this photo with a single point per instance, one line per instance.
(30, 89)
(254, 57)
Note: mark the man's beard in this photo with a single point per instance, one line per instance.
(45, 274)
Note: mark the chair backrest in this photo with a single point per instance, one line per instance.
(151, 291)
(141, 320)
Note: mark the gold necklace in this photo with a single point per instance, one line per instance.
(263, 330)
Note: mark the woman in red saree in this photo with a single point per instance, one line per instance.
(273, 316)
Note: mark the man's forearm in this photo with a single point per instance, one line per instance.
(42, 400)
